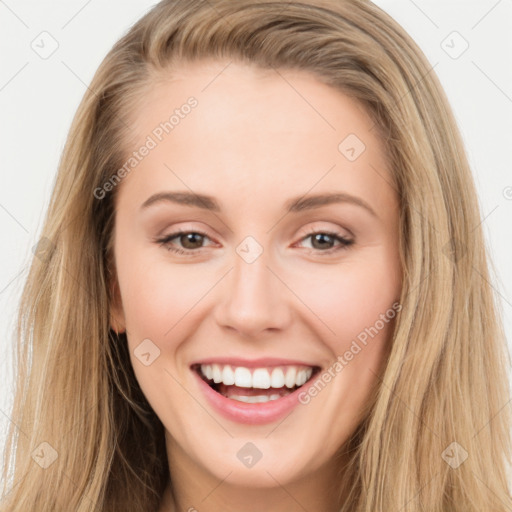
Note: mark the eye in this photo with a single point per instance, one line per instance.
(190, 241)
(324, 241)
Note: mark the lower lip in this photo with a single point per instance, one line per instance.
(251, 414)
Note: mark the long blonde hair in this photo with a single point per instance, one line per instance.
(436, 437)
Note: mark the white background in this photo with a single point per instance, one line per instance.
(38, 98)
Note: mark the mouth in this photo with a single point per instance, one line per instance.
(255, 385)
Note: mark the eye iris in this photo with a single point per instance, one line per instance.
(322, 237)
(192, 238)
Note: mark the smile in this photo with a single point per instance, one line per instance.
(255, 385)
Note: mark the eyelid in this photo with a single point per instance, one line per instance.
(334, 230)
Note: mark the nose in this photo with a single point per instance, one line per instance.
(253, 300)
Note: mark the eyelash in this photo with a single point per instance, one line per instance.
(165, 241)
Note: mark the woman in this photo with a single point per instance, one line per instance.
(196, 345)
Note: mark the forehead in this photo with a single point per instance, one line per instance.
(282, 130)
(232, 92)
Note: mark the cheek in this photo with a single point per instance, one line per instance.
(159, 305)
(157, 296)
(353, 302)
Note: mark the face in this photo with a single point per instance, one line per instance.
(287, 269)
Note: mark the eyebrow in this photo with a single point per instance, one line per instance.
(297, 204)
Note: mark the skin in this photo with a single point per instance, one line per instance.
(255, 140)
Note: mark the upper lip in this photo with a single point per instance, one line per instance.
(261, 362)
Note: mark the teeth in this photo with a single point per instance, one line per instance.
(259, 378)
(208, 372)
(302, 377)
(217, 374)
(290, 377)
(277, 378)
(243, 378)
(228, 377)
(254, 399)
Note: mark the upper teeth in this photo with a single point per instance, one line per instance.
(261, 378)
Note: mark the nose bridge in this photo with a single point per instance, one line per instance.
(253, 299)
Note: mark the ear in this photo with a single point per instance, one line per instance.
(116, 313)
